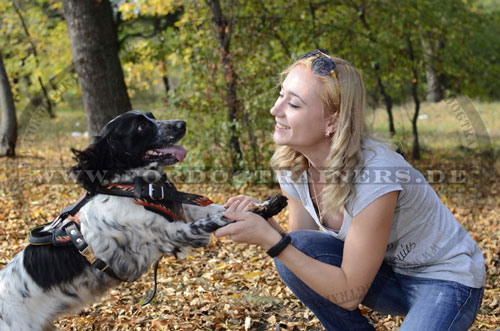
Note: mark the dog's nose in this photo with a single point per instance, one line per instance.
(180, 125)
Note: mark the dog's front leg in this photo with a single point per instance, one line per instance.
(194, 212)
(208, 219)
(198, 233)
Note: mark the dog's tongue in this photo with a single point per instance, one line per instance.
(178, 152)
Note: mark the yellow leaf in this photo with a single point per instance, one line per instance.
(252, 274)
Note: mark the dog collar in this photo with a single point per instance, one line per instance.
(160, 197)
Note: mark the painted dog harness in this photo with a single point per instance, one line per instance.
(160, 197)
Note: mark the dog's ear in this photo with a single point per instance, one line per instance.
(116, 149)
(94, 164)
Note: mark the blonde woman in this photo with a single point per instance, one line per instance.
(386, 239)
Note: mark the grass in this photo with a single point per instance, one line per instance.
(441, 126)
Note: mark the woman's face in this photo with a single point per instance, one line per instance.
(298, 111)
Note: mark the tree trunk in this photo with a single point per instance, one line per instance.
(8, 125)
(94, 45)
(312, 10)
(416, 99)
(224, 29)
(164, 76)
(435, 83)
(387, 100)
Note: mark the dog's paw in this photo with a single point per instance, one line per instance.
(271, 206)
(198, 233)
(209, 224)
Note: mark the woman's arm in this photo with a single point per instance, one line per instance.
(364, 250)
(299, 218)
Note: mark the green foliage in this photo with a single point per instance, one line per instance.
(177, 40)
(36, 50)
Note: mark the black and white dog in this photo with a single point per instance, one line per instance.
(126, 224)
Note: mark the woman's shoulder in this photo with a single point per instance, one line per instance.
(378, 152)
(294, 188)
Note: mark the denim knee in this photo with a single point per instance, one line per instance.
(317, 244)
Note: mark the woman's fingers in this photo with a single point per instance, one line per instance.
(240, 197)
(232, 228)
(245, 205)
(233, 207)
(234, 215)
(224, 231)
(250, 229)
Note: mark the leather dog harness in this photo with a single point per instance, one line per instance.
(160, 197)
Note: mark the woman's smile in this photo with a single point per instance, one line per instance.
(281, 127)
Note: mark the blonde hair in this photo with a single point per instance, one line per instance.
(345, 154)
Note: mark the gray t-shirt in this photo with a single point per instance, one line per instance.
(425, 239)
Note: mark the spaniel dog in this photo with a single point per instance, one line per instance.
(129, 218)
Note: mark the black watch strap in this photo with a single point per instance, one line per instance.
(280, 246)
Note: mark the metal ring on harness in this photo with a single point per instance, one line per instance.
(153, 189)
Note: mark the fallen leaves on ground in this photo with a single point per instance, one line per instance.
(224, 286)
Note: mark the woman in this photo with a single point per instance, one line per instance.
(387, 241)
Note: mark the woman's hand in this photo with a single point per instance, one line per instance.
(245, 203)
(249, 228)
(240, 198)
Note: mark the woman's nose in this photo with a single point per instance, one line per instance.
(276, 110)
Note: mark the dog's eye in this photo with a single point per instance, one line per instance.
(141, 127)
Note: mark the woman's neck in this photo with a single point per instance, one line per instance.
(316, 157)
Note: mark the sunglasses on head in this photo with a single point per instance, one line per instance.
(322, 65)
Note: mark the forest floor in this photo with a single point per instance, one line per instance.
(225, 286)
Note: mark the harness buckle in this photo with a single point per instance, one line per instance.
(89, 254)
(153, 192)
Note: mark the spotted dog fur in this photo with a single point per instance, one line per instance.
(43, 282)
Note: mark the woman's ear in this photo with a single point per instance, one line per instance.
(332, 124)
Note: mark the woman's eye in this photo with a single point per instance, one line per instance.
(293, 105)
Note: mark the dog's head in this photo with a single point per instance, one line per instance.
(137, 139)
(129, 141)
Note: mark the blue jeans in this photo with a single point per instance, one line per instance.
(428, 304)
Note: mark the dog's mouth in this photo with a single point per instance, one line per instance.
(166, 156)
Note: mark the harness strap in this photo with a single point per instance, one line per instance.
(77, 239)
(53, 234)
(75, 208)
(160, 197)
(154, 192)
